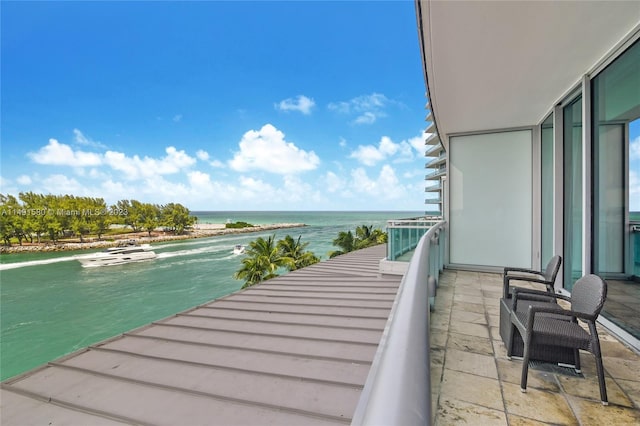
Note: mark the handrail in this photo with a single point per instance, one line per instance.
(398, 388)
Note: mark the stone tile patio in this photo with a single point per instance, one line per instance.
(473, 382)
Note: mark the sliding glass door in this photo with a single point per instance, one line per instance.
(616, 186)
(572, 135)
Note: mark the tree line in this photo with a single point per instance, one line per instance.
(37, 216)
(266, 257)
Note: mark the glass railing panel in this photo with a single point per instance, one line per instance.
(635, 247)
(403, 235)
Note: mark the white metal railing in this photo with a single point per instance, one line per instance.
(403, 234)
(438, 172)
(398, 388)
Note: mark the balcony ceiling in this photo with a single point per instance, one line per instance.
(504, 64)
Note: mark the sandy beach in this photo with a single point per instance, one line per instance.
(200, 230)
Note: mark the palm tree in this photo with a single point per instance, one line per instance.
(379, 236)
(251, 271)
(363, 236)
(345, 241)
(366, 236)
(262, 262)
(295, 254)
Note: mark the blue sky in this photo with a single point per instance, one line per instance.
(215, 105)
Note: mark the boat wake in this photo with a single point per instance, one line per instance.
(6, 266)
(220, 246)
(193, 252)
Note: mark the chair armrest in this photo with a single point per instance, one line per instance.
(530, 294)
(528, 271)
(508, 278)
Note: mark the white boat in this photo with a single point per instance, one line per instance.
(238, 249)
(125, 252)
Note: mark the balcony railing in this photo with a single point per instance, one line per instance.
(398, 388)
(635, 247)
(404, 235)
(437, 173)
(433, 188)
(435, 151)
(436, 161)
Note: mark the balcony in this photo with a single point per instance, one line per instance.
(473, 382)
(437, 161)
(365, 344)
(435, 150)
(436, 174)
(433, 188)
(434, 139)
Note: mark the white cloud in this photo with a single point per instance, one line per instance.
(634, 191)
(366, 118)
(369, 155)
(417, 142)
(358, 104)
(386, 186)
(199, 179)
(177, 118)
(267, 150)
(295, 189)
(204, 156)
(81, 139)
(24, 180)
(334, 183)
(58, 154)
(61, 184)
(368, 108)
(300, 103)
(634, 149)
(136, 167)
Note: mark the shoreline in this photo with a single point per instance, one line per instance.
(202, 230)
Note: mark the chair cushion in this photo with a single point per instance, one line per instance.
(548, 329)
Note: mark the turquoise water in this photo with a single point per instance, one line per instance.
(51, 306)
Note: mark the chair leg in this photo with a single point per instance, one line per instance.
(576, 361)
(512, 334)
(601, 382)
(525, 363)
(600, 371)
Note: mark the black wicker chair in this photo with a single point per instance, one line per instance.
(557, 327)
(547, 277)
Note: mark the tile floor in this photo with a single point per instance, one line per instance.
(473, 382)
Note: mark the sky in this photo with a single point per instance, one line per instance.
(215, 105)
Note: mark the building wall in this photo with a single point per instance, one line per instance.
(490, 217)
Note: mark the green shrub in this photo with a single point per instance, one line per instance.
(238, 225)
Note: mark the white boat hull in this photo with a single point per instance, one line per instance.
(117, 256)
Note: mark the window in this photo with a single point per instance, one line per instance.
(546, 177)
(572, 123)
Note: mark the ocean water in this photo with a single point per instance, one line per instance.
(51, 306)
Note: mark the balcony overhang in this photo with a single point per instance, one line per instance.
(499, 64)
